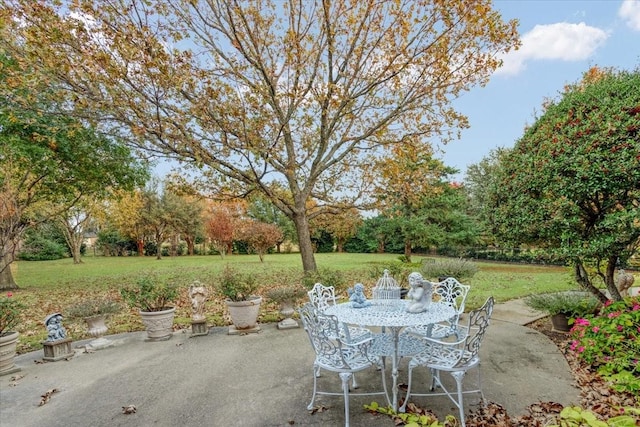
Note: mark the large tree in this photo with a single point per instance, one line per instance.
(266, 93)
(572, 182)
(419, 203)
(48, 162)
(481, 182)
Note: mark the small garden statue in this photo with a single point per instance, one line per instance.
(356, 296)
(55, 330)
(419, 294)
(624, 282)
(198, 294)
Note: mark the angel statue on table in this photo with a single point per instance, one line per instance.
(356, 296)
(419, 294)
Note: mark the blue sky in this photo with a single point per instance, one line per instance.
(561, 40)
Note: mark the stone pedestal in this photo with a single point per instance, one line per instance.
(57, 350)
(287, 310)
(235, 331)
(288, 323)
(199, 328)
(100, 343)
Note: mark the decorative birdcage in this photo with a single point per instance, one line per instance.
(386, 289)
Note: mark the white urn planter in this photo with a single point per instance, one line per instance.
(159, 324)
(287, 311)
(8, 344)
(96, 327)
(244, 315)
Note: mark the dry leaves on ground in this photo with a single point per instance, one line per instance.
(595, 396)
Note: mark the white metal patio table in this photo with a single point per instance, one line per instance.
(393, 315)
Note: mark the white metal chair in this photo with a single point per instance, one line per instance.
(322, 297)
(456, 357)
(334, 354)
(453, 293)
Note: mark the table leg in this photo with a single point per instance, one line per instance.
(395, 360)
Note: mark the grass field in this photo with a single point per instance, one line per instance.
(53, 286)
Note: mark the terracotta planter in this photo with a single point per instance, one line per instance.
(8, 345)
(244, 315)
(159, 324)
(560, 322)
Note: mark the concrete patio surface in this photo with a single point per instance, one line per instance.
(262, 379)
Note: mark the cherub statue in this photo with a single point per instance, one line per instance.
(198, 294)
(56, 331)
(419, 294)
(356, 296)
(624, 282)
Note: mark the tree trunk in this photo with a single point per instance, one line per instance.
(407, 250)
(7, 281)
(340, 244)
(140, 246)
(301, 223)
(582, 277)
(190, 245)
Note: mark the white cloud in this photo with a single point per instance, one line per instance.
(630, 12)
(562, 41)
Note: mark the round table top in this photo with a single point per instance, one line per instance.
(391, 313)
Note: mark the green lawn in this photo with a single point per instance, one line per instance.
(52, 286)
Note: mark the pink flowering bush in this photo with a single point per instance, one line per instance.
(610, 343)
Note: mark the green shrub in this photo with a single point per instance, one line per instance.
(571, 303)
(610, 342)
(236, 286)
(92, 307)
(150, 293)
(458, 268)
(327, 277)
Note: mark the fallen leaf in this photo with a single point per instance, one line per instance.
(47, 396)
(317, 409)
(131, 409)
(15, 380)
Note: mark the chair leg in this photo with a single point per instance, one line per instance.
(435, 379)
(345, 376)
(316, 371)
(403, 408)
(459, 377)
(353, 382)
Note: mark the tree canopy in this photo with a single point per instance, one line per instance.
(266, 95)
(48, 162)
(572, 182)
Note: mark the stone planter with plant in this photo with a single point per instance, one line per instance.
(287, 296)
(564, 307)
(10, 309)
(154, 298)
(94, 312)
(243, 305)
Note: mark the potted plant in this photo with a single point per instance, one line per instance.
(564, 307)
(244, 307)
(154, 298)
(94, 312)
(9, 317)
(286, 296)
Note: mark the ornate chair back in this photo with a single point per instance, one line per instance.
(322, 296)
